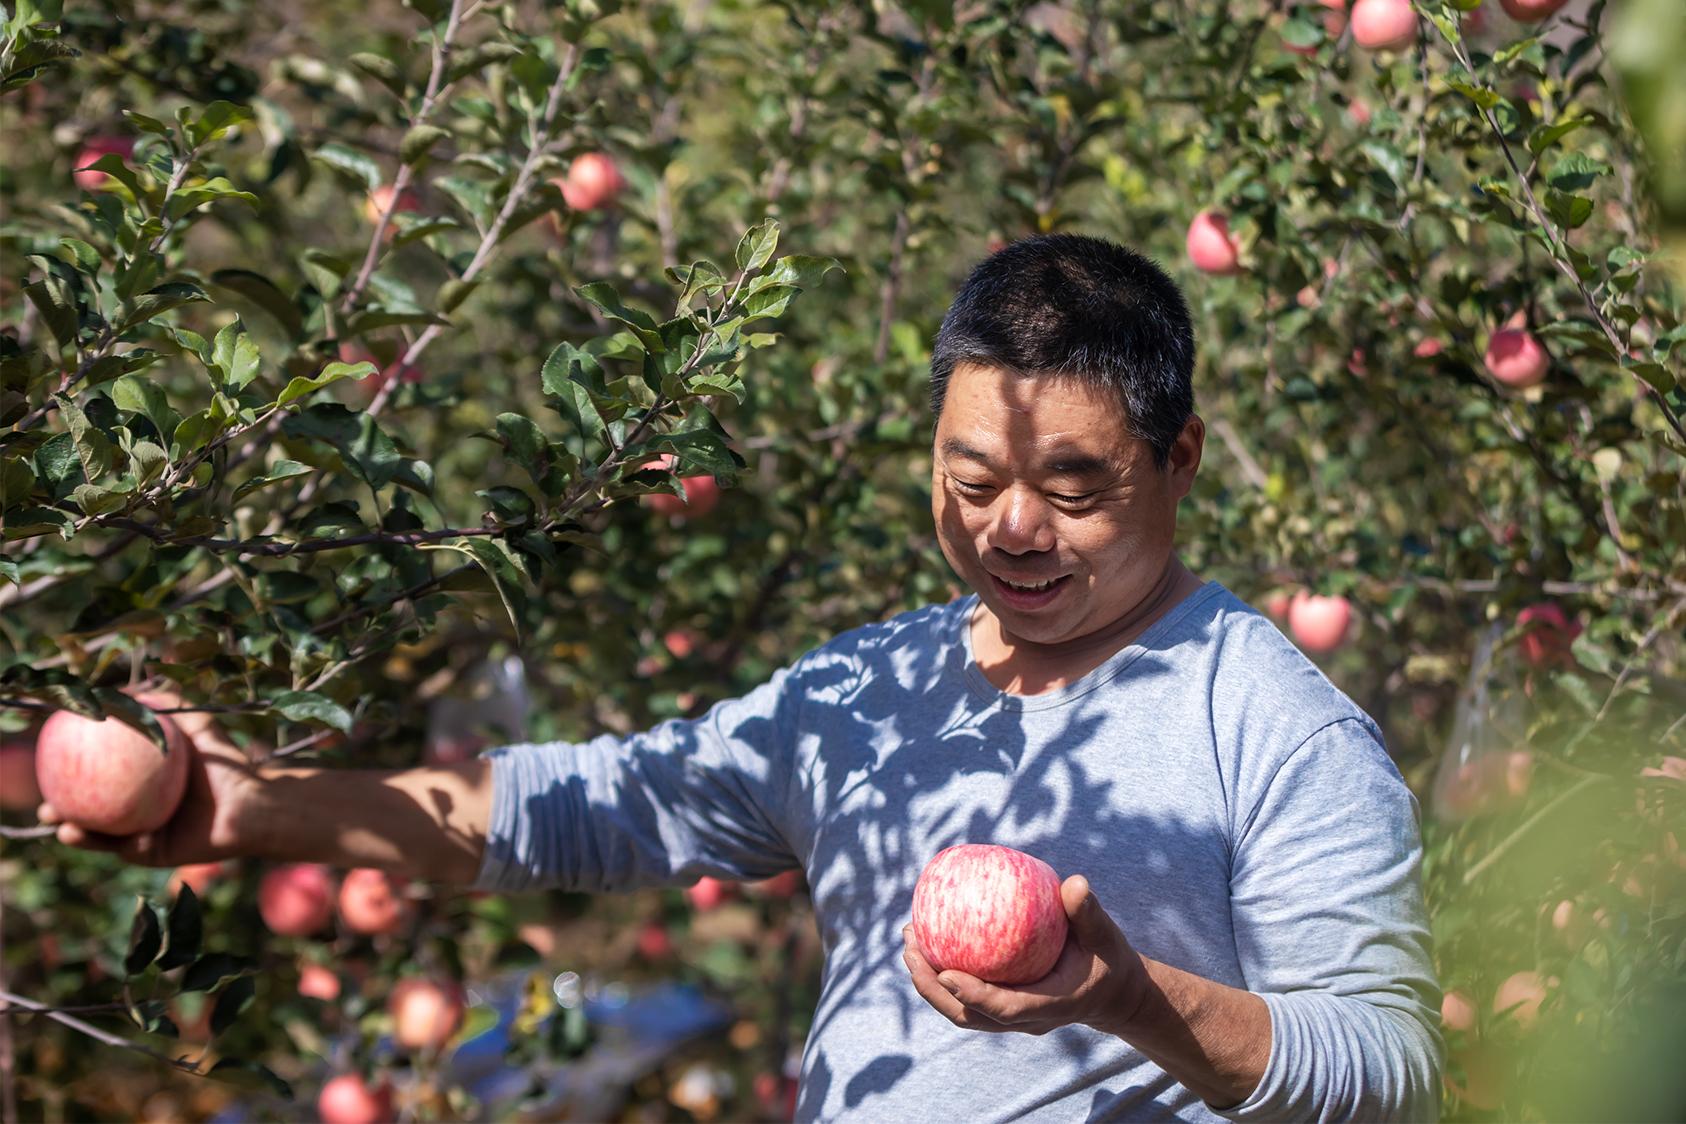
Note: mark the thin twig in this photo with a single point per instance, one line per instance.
(97, 1034)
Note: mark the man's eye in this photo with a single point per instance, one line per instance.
(1084, 498)
(970, 488)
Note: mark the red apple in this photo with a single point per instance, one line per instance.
(702, 493)
(380, 200)
(680, 643)
(1428, 348)
(1520, 995)
(592, 181)
(18, 790)
(371, 903)
(296, 900)
(347, 1099)
(1359, 111)
(92, 149)
(992, 912)
(1210, 247)
(109, 777)
(1317, 623)
(1547, 634)
(197, 875)
(654, 942)
(426, 1014)
(1457, 1012)
(1529, 11)
(1384, 24)
(1276, 605)
(1570, 924)
(318, 982)
(707, 894)
(1517, 769)
(1516, 359)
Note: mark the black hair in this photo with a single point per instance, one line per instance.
(1071, 305)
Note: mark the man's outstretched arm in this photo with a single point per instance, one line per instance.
(428, 823)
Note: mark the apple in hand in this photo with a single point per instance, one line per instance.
(107, 776)
(989, 911)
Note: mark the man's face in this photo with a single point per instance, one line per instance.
(1037, 480)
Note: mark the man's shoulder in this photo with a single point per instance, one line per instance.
(1261, 677)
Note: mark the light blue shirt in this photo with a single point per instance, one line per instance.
(1234, 812)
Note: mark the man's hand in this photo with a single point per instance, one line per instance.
(1090, 984)
(220, 779)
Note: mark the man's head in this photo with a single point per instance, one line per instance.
(1062, 388)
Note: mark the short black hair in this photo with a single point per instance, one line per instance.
(1068, 304)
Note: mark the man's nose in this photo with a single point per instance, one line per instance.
(1021, 522)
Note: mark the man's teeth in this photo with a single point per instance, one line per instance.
(1029, 588)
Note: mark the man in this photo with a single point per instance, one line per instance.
(1247, 931)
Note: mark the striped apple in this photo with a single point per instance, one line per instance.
(992, 912)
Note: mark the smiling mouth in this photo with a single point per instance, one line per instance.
(1028, 596)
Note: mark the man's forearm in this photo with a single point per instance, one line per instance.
(428, 823)
(1213, 1039)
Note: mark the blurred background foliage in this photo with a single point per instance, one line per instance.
(192, 426)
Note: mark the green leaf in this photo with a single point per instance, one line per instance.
(350, 162)
(332, 373)
(79, 254)
(262, 292)
(94, 500)
(1544, 136)
(453, 292)
(479, 56)
(380, 68)
(1569, 211)
(231, 1002)
(755, 248)
(53, 303)
(643, 325)
(145, 939)
(279, 471)
(249, 1075)
(307, 706)
(803, 271)
(218, 118)
(186, 929)
(93, 448)
(1576, 172)
(493, 559)
(211, 969)
(160, 300)
(524, 441)
(1483, 96)
(419, 140)
(235, 355)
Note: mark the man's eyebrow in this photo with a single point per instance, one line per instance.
(1068, 464)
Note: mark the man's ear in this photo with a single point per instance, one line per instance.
(1184, 462)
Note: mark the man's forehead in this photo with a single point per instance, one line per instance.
(1063, 457)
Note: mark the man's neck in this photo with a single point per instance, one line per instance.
(1022, 667)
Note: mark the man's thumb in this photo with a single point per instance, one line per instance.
(1083, 910)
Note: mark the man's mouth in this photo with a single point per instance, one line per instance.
(1029, 594)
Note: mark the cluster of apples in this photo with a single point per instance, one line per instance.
(1514, 357)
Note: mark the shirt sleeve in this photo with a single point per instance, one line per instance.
(1333, 935)
(664, 807)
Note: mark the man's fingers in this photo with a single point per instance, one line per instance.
(47, 814)
(925, 983)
